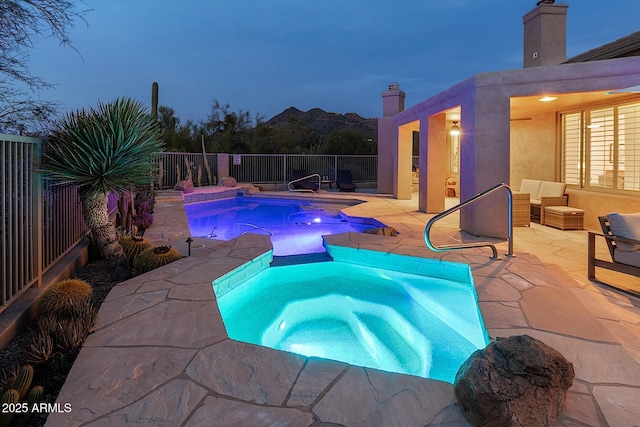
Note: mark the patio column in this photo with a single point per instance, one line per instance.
(432, 163)
(392, 104)
(402, 181)
(223, 165)
(484, 160)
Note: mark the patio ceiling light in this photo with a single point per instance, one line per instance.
(455, 130)
(548, 98)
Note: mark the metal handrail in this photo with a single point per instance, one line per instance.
(302, 179)
(479, 196)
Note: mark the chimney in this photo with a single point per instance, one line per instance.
(545, 35)
(392, 100)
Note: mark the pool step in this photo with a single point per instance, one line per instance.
(300, 259)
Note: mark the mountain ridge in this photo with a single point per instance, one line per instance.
(325, 123)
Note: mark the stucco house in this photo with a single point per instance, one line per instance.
(573, 120)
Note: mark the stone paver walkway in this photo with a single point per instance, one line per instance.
(160, 354)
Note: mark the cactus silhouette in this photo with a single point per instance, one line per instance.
(154, 101)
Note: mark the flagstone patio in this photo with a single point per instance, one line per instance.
(160, 354)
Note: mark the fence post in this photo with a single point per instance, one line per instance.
(284, 169)
(38, 224)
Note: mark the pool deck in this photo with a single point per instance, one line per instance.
(160, 354)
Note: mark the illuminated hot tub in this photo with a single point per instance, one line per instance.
(390, 312)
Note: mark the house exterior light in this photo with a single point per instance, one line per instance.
(455, 129)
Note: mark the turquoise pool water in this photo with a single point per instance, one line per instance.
(395, 321)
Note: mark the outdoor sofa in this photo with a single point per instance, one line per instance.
(541, 194)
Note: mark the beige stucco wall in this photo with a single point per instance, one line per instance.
(533, 149)
(596, 204)
(387, 131)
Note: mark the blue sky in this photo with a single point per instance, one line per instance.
(264, 57)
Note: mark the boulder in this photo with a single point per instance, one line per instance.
(515, 381)
(251, 190)
(228, 181)
(185, 186)
(382, 231)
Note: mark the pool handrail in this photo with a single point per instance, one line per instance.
(478, 196)
(302, 179)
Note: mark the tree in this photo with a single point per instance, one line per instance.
(228, 129)
(109, 148)
(347, 141)
(177, 137)
(21, 23)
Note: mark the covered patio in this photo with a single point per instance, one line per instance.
(506, 134)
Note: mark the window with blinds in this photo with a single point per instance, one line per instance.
(629, 146)
(601, 148)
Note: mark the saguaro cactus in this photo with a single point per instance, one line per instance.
(154, 101)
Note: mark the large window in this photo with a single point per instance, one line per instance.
(601, 148)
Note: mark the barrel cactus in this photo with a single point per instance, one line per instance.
(155, 257)
(20, 382)
(133, 246)
(67, 298)
(14, 393)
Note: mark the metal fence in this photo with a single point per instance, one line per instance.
(40, 221)
(278, 168)
(263, 168)
(174, 167)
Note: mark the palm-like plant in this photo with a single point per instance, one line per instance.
(108, 148)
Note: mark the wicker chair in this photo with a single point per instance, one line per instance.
(521, 209)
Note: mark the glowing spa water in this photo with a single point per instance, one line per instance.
(294, 226)
(358, 314)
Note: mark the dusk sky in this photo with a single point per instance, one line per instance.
(265, 56)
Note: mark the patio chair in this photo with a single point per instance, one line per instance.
(541, 195)
(622, 234)
(305, 184)
(344, 181)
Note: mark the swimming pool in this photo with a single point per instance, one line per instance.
(295, 226)
(415, 316)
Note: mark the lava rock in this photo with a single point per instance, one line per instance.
(514, 381)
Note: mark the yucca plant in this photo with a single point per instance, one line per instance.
(107, 148)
